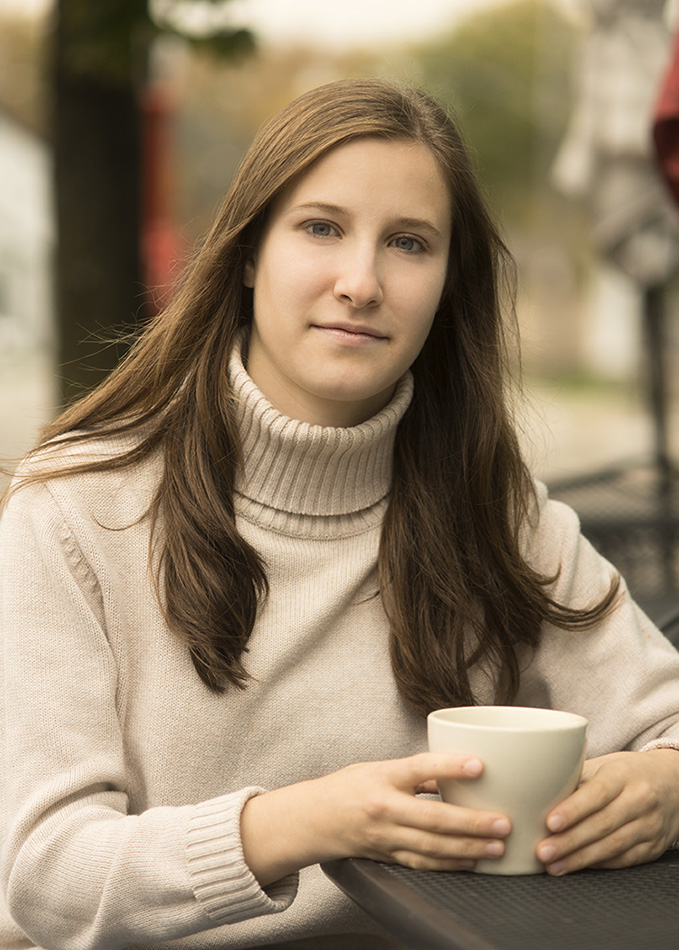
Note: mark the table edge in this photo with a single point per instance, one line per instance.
(412, 918)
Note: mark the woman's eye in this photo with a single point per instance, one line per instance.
(320, 229)
(408, 243)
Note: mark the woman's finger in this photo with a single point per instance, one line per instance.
(597, 789)
(624, 847)
(442, 818)
(415, 770)
(422, 847)
(594, 827)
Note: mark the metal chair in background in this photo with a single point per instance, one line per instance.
(630, 513)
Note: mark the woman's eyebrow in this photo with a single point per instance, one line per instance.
(419, 224)
(408, 223)
(323, 206)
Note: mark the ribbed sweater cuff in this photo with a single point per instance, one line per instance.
(222, 882)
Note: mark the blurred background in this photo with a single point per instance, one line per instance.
(122, 122)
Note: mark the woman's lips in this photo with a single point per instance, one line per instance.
(357, 336)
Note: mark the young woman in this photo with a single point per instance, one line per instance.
(237, 576)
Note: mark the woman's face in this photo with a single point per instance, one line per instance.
(347, 279)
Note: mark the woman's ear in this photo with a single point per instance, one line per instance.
(249, 274)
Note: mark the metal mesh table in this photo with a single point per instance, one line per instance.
(633, 909)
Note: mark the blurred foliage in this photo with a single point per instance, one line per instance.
(98, 38)
(214, 36)
(508, 76)
(107, 39)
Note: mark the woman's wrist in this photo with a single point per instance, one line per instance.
(287, 829)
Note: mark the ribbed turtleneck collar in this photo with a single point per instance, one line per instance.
(307, 469)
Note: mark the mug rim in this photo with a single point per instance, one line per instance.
(562, 719)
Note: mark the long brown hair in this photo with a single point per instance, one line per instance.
(455, 586)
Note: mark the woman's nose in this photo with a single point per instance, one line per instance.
(358, 281)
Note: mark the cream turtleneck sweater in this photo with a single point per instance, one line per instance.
(124, 776)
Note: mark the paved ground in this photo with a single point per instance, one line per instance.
(569, 432)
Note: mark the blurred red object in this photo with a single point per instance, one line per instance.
(163, 248)
(666, 124)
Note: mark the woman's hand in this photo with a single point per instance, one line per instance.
(624, 812)
(371, 810)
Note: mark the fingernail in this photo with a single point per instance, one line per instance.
(501, 827)
(472, 767)
(466, 865)
(495, 849)
(556, 870)
(547, 853)
(556, 822)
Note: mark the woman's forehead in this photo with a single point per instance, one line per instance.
(368, 167)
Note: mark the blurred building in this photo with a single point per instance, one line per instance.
(26, 240)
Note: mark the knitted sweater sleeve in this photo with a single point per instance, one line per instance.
(77, 870)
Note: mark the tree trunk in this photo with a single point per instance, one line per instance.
(97, 169)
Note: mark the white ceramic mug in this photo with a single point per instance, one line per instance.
(532, 761)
